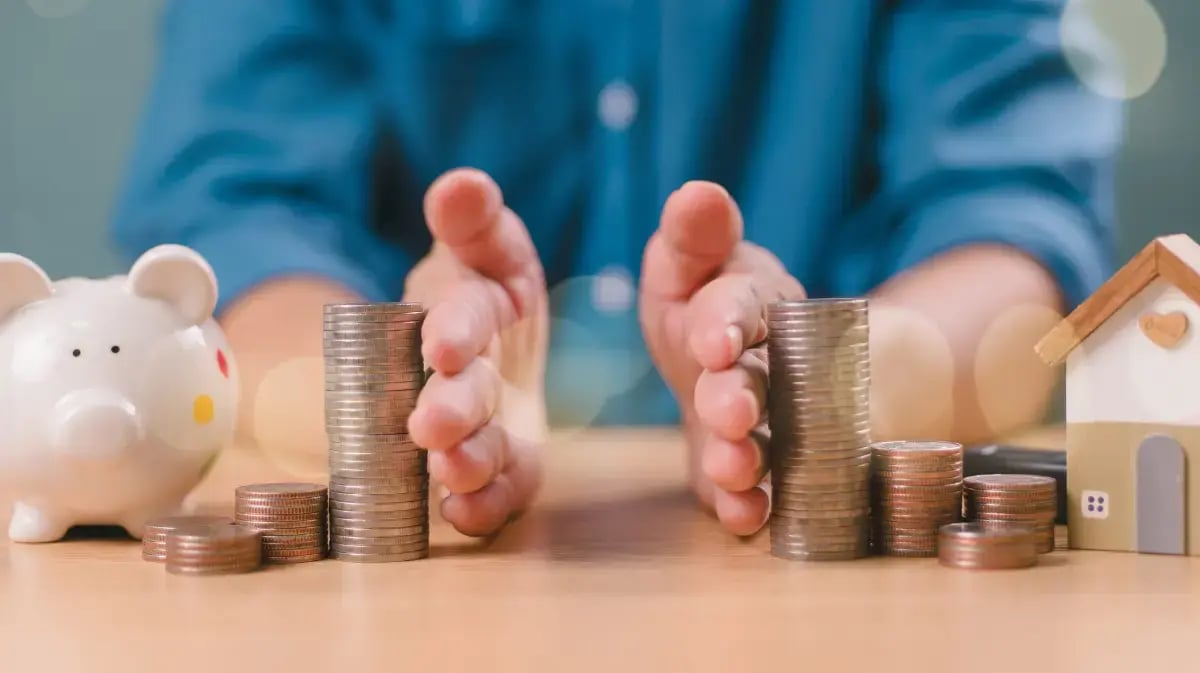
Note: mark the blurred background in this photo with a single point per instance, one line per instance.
(73, 73)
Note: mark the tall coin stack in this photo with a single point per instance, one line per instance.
(1021, 500)
(291, 518)
(819, 416)
(916, 488)
(378, 480)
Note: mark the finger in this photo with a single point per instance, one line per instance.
(465, 211)
(485, 511)
(698, 231)
(451, 407)
(734, 465)
(481, 512)
(730, 402)
(474, 463)
(724, 318)
(745, 512)
(464, 324)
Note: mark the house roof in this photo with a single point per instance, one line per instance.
(1174, 258)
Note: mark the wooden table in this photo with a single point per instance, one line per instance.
(615, 570)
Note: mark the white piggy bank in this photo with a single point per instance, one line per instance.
(116, 394)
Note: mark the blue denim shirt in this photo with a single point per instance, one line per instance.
(859, 137)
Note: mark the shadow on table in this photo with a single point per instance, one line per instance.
(653, 525)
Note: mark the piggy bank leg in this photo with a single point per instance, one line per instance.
(31, 523)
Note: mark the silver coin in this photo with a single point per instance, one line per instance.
(374, 306)
(402, 462)
(385, 487)
(366, 427)
(372, 387)
(377, 548)
(397, 460)
(819, 304)
(370, 523)
(389, 344)
(364, 450)
(375, 421)
(341, 500)
(353, 557)
(407, 365)
(378, 538)
(409, 332)
(389, 408)
(375, 472)
(372, 314)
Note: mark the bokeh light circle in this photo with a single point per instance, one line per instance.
(1117, 48)
(289, 418)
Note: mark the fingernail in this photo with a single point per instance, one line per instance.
(443, 492)
(734, 335)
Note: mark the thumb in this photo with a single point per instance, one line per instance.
(698, 233)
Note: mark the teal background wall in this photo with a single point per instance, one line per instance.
(73, 73)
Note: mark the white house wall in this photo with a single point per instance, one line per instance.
(1119, 375)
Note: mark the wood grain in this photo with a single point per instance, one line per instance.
(1093, 311)
(615, 569)
(1176, 258)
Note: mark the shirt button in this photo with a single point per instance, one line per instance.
(617, 106)
(612, 290)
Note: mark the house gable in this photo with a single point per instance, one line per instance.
(1120, 375)
(1174, 258)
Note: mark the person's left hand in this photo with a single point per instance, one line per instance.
(704, 293)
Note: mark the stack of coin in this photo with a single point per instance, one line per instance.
(1029, 500)
(213, 550)
(916, 489)
(154, 539)
(291, 518)
(819, 416)
(378, 479)
(972, 546)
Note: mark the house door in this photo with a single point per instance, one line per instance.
(1160, 496)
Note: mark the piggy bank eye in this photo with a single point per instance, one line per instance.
(76, 352)
(115, 349)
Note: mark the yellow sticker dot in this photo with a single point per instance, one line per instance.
(202, 409)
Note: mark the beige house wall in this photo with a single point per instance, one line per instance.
(1102, 457)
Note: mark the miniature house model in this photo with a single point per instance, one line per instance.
(1133, 405)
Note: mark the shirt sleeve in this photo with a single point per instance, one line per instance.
(255, 148)
(988, 136)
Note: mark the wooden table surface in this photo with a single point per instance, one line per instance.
(614, 570)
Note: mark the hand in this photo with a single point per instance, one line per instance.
(481, 415)
(704, 293)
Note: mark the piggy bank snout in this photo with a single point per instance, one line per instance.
(95, 424)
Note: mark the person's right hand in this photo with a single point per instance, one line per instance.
(481, 414)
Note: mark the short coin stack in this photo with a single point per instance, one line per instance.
(379, 482)
(916, 489)
(819, 415)
(1028, 500)
(154, 538)
(972, 546)
(199, 549)
(291, 518)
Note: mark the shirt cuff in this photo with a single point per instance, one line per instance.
(1058, 234)
(244, 255)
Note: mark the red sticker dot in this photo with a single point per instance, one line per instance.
(222, 363)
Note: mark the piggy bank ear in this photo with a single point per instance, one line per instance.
(178, 276)
(21, 282)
